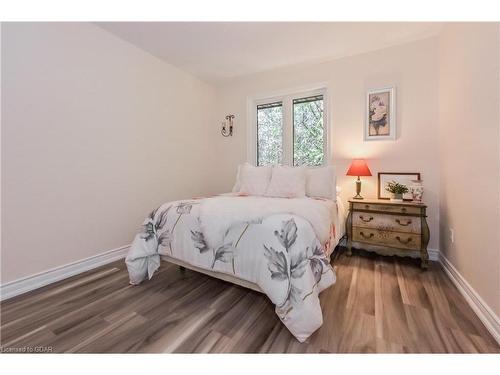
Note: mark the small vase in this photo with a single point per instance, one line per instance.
(396, 197)
(417, 190)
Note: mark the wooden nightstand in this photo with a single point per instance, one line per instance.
(388, 228)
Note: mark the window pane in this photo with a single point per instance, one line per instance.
(270, 134)
(308, 139)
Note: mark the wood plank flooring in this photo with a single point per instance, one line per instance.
(378, 305)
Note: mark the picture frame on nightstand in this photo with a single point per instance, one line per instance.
(404, 178)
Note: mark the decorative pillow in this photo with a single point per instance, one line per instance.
(254, 180)
(321, 183)
(287, 182)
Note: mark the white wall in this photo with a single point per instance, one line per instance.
(96, 132)
(469, 119)
(412, 68)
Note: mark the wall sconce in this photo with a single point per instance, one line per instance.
(227, 126)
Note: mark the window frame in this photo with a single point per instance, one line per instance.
(286, 98)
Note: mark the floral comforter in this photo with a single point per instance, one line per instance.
(281, 251)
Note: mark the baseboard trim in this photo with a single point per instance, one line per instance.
(433, 254)
(29, 283)
(478, 305)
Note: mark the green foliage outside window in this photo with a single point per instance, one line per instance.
(308, 132)
(308, 137)
(270, 135)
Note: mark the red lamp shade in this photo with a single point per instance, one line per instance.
(358, 168)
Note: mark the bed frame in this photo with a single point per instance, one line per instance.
(218, 275)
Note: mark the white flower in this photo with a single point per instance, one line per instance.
(379, 110)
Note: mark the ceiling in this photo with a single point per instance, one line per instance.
(218, 51)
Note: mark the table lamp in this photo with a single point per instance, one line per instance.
(358, 168)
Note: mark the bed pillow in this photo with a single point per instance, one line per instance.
(254, 180)
(287, 182)
(321, 183)
(237, 184)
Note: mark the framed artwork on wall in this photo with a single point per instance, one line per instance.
(380, 119)
(403, 178)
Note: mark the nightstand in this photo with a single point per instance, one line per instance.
(388, 228)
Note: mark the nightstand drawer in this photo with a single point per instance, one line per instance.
(389, 208)
(392, 239)
(396, 223)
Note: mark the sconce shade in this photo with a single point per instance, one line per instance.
(358, 168)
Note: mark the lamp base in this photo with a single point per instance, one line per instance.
(358, 189)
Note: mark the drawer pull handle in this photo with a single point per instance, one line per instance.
(366, 220)
(404, 242)
(367, 207)
(403, 224)
(366, 236)
(403, 209)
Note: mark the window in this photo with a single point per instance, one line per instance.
(270, 133)
(291, 130)
(308, 134)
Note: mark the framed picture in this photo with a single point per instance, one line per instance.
(402, 178)
(380, 119)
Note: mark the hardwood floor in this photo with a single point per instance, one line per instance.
(378, 305)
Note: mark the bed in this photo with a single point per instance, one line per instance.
(277, 246)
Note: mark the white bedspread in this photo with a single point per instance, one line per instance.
(282, 245)
(219, 213)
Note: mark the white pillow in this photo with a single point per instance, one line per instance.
(287, 182)
(254, 180)
(321, 183)
(237, 184)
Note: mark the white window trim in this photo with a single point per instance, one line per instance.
(286, 97)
